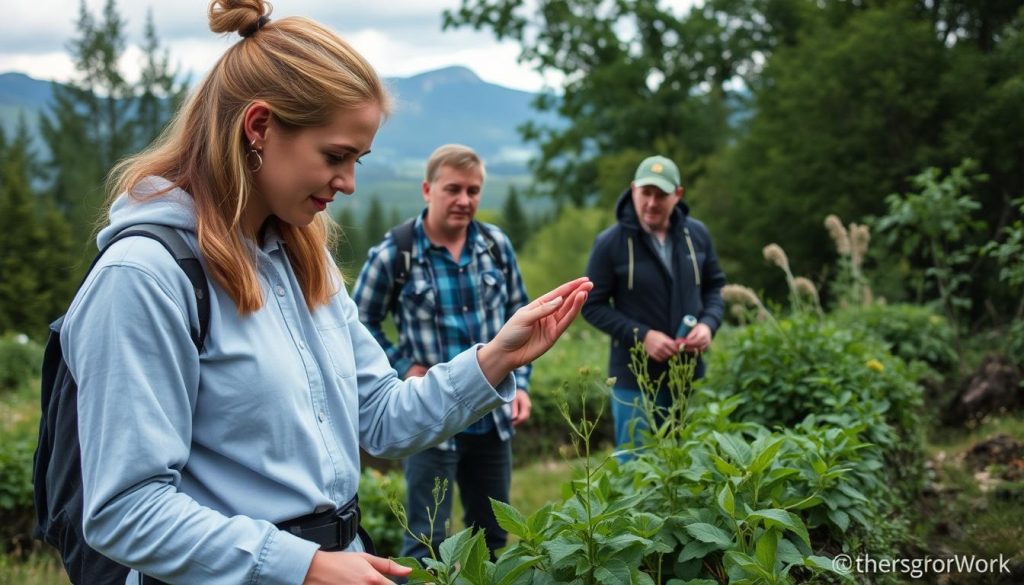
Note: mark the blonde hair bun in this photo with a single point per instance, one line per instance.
(241, 16)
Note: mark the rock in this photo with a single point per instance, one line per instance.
(994, 387)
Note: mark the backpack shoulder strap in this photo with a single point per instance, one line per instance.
(493, 248)
(403, 235)
(175, 244)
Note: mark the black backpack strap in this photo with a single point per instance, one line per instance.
(403, 235)
(175, 244)
(493, 248)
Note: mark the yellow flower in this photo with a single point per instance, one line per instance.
(875, 365)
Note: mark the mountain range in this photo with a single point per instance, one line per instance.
(437, 107)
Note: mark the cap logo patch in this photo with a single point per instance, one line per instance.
(657, 168)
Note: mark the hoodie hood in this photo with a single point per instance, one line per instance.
(625, 213)
(175, 209)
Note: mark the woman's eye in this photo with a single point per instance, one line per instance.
(335, 159)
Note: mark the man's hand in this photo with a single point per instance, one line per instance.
(415, 371)
(340, 568)
(520, 407)
(660, 346)
(697, 341)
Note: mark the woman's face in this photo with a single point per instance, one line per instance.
(304, 169)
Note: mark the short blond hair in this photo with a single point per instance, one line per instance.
(456, 156)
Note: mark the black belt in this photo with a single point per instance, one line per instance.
(332, 530)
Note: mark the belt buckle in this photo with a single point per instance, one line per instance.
(348, 526)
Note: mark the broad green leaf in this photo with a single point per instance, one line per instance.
(694, 582)
(705, 532)
(748, 564)
(455, 546)
(510, 519)
(473, 562)
(788, 520)
(560, 548)
(788, 553)
(765, 549)
(696, 549)
(852, 492)
(778, 473)
(419, 574)
(646, 524)
(727, 501)
(725, 467)
(823, 563)
(540, 519)
(840, 519)
(817, 464)
(615, 572)
(735, 447)
(765, 457)
(510, 569)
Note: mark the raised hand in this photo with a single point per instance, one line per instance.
(533, 329)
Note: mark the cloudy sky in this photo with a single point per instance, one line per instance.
(399, 37)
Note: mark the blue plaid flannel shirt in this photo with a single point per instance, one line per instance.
(445, 307)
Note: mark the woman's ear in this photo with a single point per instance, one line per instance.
(256, 123)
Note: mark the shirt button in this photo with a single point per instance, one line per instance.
(465, 308)
(302, 345)
(321, 416)
(279, 290)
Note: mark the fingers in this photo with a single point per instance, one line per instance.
(386, 566)
(572, 309)
(562, 290)
(584, 288)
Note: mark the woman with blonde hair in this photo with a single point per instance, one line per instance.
(236, 460)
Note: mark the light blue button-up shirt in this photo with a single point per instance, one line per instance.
(189, 459)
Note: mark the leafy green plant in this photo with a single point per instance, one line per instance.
(20, 360)
(1010, 255)
(17, 446)
(376, 490)
(938, 221)
(912, 333)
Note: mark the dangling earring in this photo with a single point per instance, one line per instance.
(254, 152)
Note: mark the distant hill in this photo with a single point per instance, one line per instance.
(447, 105)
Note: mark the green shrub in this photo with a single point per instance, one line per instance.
(912, 333)
(376, 488)
(20, 361)
(710, 500)
(801, 366)
(17, 447)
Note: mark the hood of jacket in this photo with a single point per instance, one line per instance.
(625, 213)
(175, 209)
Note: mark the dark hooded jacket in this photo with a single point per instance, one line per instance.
(634, 292)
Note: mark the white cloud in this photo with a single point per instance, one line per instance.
(400, 38)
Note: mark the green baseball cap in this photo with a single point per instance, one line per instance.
(659, 172)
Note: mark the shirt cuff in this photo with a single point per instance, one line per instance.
(467, 378)
(285, 558)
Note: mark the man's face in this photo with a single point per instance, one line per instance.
(654, 206)
(452, 198)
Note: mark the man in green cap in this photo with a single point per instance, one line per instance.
(656, 280)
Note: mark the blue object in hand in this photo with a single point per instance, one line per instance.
(685, 326)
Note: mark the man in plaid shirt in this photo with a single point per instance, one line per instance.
(458, 294)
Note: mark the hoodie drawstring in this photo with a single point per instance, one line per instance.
(693, 256)
(629, 282)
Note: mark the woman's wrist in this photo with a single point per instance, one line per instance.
(494, 363)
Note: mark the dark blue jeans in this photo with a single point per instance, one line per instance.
(626, 408)
(481, 465)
